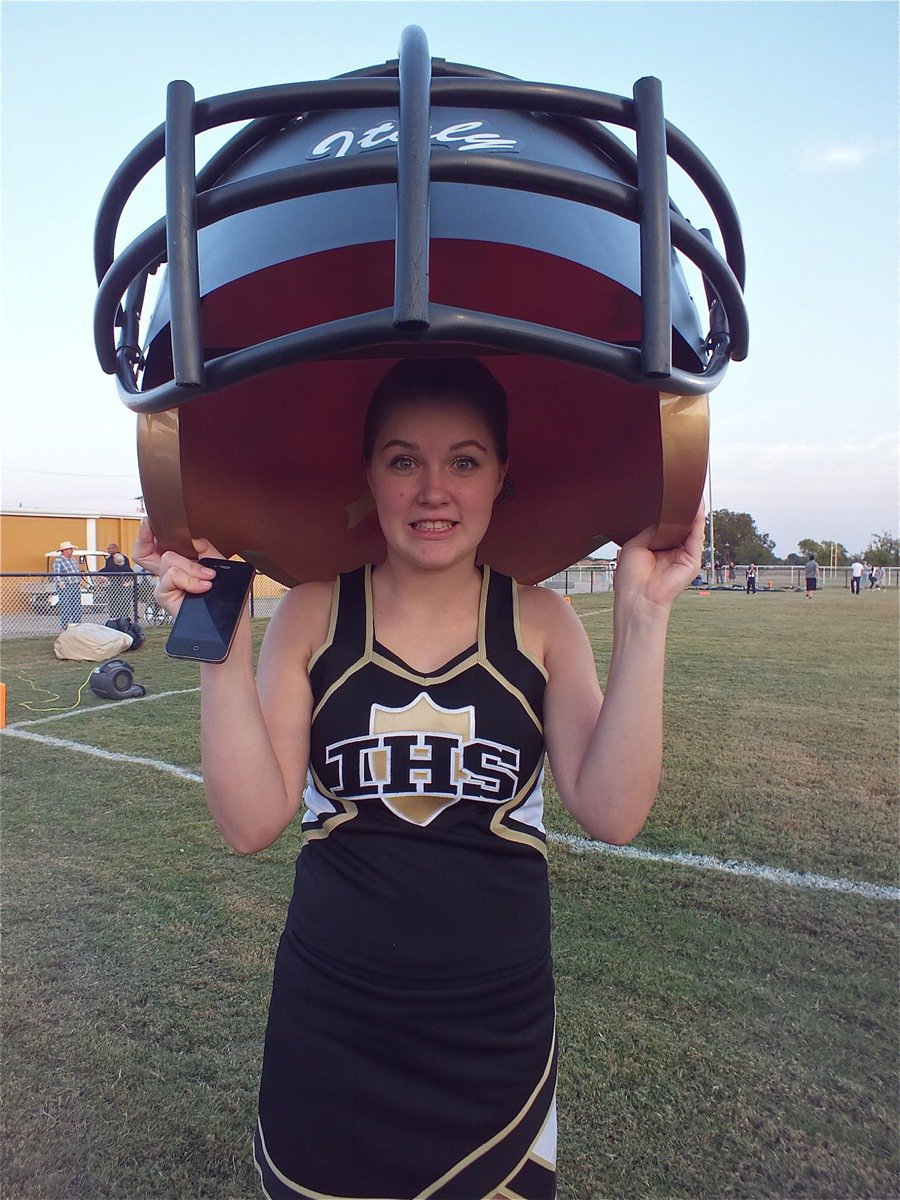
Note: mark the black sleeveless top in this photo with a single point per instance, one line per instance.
(424, 852)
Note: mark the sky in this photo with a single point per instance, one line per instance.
(794, 103)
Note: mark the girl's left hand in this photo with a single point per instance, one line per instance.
(658, 577)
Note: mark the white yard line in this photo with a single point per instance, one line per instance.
(581, 845)
(95, 752)
(704, 862)
(80, 712)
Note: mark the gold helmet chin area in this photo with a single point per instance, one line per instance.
(419, 208)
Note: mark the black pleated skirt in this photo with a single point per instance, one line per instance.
(374, 1091)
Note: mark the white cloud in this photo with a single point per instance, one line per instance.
(836, 156)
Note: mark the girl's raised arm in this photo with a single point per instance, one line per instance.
(606, 751)
(254, 732)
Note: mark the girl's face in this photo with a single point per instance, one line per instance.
(435, 476)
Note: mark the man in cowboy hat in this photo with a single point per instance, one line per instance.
(68, 584)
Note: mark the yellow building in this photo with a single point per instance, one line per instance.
(26, 538)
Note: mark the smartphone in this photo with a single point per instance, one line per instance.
(206, 623)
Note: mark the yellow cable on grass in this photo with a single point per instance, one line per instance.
(30, 706)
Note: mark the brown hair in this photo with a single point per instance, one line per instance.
(442, 380)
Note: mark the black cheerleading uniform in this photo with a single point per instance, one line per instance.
(411, 1046)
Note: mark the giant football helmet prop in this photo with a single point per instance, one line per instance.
(418, 208)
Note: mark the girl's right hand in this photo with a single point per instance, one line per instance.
(177, 575)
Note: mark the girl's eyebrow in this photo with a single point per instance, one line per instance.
(455, 447)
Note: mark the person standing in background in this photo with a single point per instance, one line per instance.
(812, 574)
(856, 571)
(68, 585)
(115, 559)
(116, 568)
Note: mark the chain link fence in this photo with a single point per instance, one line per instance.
(577, 580)
(776, 578)
(787, 577)
(38, 605)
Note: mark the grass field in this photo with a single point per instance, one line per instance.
(722, 1035)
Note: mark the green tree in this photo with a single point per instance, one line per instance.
(737, 537)
(822, 551)
(883, 550)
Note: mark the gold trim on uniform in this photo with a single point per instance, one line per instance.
(388, 664)
(512, 689)
(482, 613)
(332, 624)
(351, 809)
(518, 632)
(351, 670)
(499, 1136)
(295, 1187)
(514, 835)
(370, 615)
